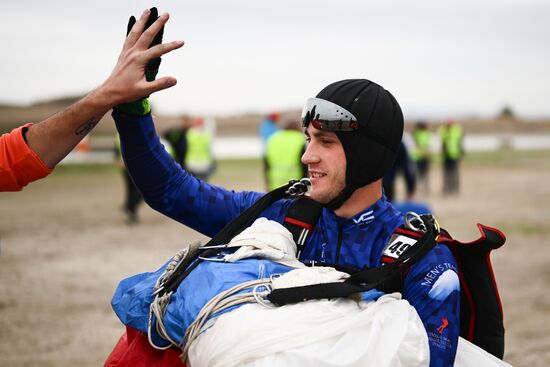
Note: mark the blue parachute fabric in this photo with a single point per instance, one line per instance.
(417, 207)
(371, 295)
(133, 296)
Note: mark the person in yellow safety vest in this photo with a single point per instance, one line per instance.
(451, 148)
(421, 154)
(133, 197)
(284, 151)
(199, 160)
(177, 137)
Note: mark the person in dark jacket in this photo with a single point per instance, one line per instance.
(402, 166)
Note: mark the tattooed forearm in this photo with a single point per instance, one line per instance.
(86, 127)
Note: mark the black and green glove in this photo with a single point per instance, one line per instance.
(142, 106)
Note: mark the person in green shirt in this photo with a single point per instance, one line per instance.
(199, 160)
(451, 148)
(421, 154)
(177, 137)
(284, 150)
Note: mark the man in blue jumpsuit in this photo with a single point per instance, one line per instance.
(353, 129)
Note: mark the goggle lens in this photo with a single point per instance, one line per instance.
(325, 115)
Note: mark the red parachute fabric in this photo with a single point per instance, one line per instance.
(133, 350)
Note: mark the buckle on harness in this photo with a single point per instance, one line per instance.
(298, 187)
(418, 223)
(175, 266)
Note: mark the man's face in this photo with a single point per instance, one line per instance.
(326, 162)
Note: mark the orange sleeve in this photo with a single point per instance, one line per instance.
(19, 165)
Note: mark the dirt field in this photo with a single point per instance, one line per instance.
(64, 246)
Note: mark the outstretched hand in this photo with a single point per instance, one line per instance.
(152, 67)
(53, 138)
(128, 82)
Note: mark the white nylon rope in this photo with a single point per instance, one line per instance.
(216, 305)
(159, 304)
(221, 302)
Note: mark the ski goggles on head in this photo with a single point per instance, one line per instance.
(325, 115)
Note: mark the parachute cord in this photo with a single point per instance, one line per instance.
(160, 303)
(221, 302)
(158, 309)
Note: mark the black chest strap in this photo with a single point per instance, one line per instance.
(301, 218)
(366, 279)
(293, 189)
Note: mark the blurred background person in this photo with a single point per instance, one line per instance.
(283, 155)
(199, 160)
(268, 126)
(402, 165)
(451, 136)
(132, 198)
(84, 146)
(177, 137)
(421, 154)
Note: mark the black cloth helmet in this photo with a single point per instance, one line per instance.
(369, 123)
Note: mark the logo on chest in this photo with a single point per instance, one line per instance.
(366, 216)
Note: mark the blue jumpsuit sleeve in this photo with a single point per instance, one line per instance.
(169, 189)
(432, 287)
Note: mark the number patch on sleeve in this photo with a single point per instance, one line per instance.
(397, 245)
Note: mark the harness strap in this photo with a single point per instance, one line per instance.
(363, 280)
(284, 296)
(300, 220)
(294, 188)
(232, 229)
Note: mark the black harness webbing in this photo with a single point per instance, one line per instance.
(232, 229)
(363, 280)
(300, 220)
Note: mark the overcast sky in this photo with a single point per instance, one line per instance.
(439, 58)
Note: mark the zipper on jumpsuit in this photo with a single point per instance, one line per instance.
(339, 244)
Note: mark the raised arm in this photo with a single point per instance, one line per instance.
(53, 138)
